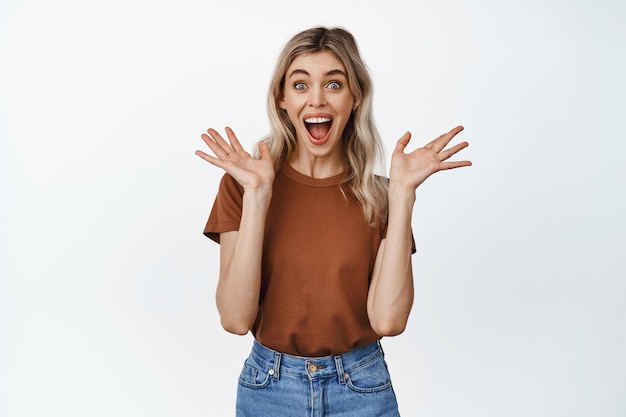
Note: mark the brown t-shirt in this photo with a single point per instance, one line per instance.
(318, 257)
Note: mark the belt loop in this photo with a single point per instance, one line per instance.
(380, 346)
(340, 372)
(277, 357)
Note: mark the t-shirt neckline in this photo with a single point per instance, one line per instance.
(297, 176)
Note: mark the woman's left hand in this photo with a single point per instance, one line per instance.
(409, 170)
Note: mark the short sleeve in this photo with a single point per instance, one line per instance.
(226, 212)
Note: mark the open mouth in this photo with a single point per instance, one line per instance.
(318, 127)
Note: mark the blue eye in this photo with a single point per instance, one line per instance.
(299, 86)
(334, 85)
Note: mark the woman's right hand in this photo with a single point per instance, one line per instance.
(254, 174)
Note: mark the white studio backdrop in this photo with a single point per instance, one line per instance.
(107, 284)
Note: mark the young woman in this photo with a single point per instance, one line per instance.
(315, 248)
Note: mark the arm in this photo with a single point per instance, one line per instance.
(390, 296)
(238, 288)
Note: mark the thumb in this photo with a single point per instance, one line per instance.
(402, 142)
(264, 151)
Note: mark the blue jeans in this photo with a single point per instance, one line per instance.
(353, 384)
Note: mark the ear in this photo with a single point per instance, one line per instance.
(281, 103)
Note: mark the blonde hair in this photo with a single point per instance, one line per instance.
(361, 141)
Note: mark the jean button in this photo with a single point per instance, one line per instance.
(312, 367)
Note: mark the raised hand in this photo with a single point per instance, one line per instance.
(252, 173)
(409, 170)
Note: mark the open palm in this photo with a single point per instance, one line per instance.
(412, 169)
(250, 172)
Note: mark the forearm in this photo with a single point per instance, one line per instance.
(391, 290)
(239, 284)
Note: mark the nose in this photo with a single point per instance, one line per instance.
(317, 97)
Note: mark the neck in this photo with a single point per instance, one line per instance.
(316, 167)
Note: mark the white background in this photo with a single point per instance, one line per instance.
(107, 284)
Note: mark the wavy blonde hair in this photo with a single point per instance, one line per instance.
(361, 141)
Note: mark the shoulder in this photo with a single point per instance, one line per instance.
(381, 178)
(381, 181)
(229, 192)
(230, 184)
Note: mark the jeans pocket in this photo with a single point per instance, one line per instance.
(371, 377)
(254, 376)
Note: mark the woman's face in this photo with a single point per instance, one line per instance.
(319, 102)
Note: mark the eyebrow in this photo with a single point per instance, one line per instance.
(304, 72)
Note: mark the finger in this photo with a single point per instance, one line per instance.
(218, 150)
(445, 154)
(217, 138)
(442, 141)
(402, 142)
(211, 159)
(234, 142)
(227, 166)
(264, 151)
(452, 165)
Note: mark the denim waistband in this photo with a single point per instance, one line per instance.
(278, 363)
